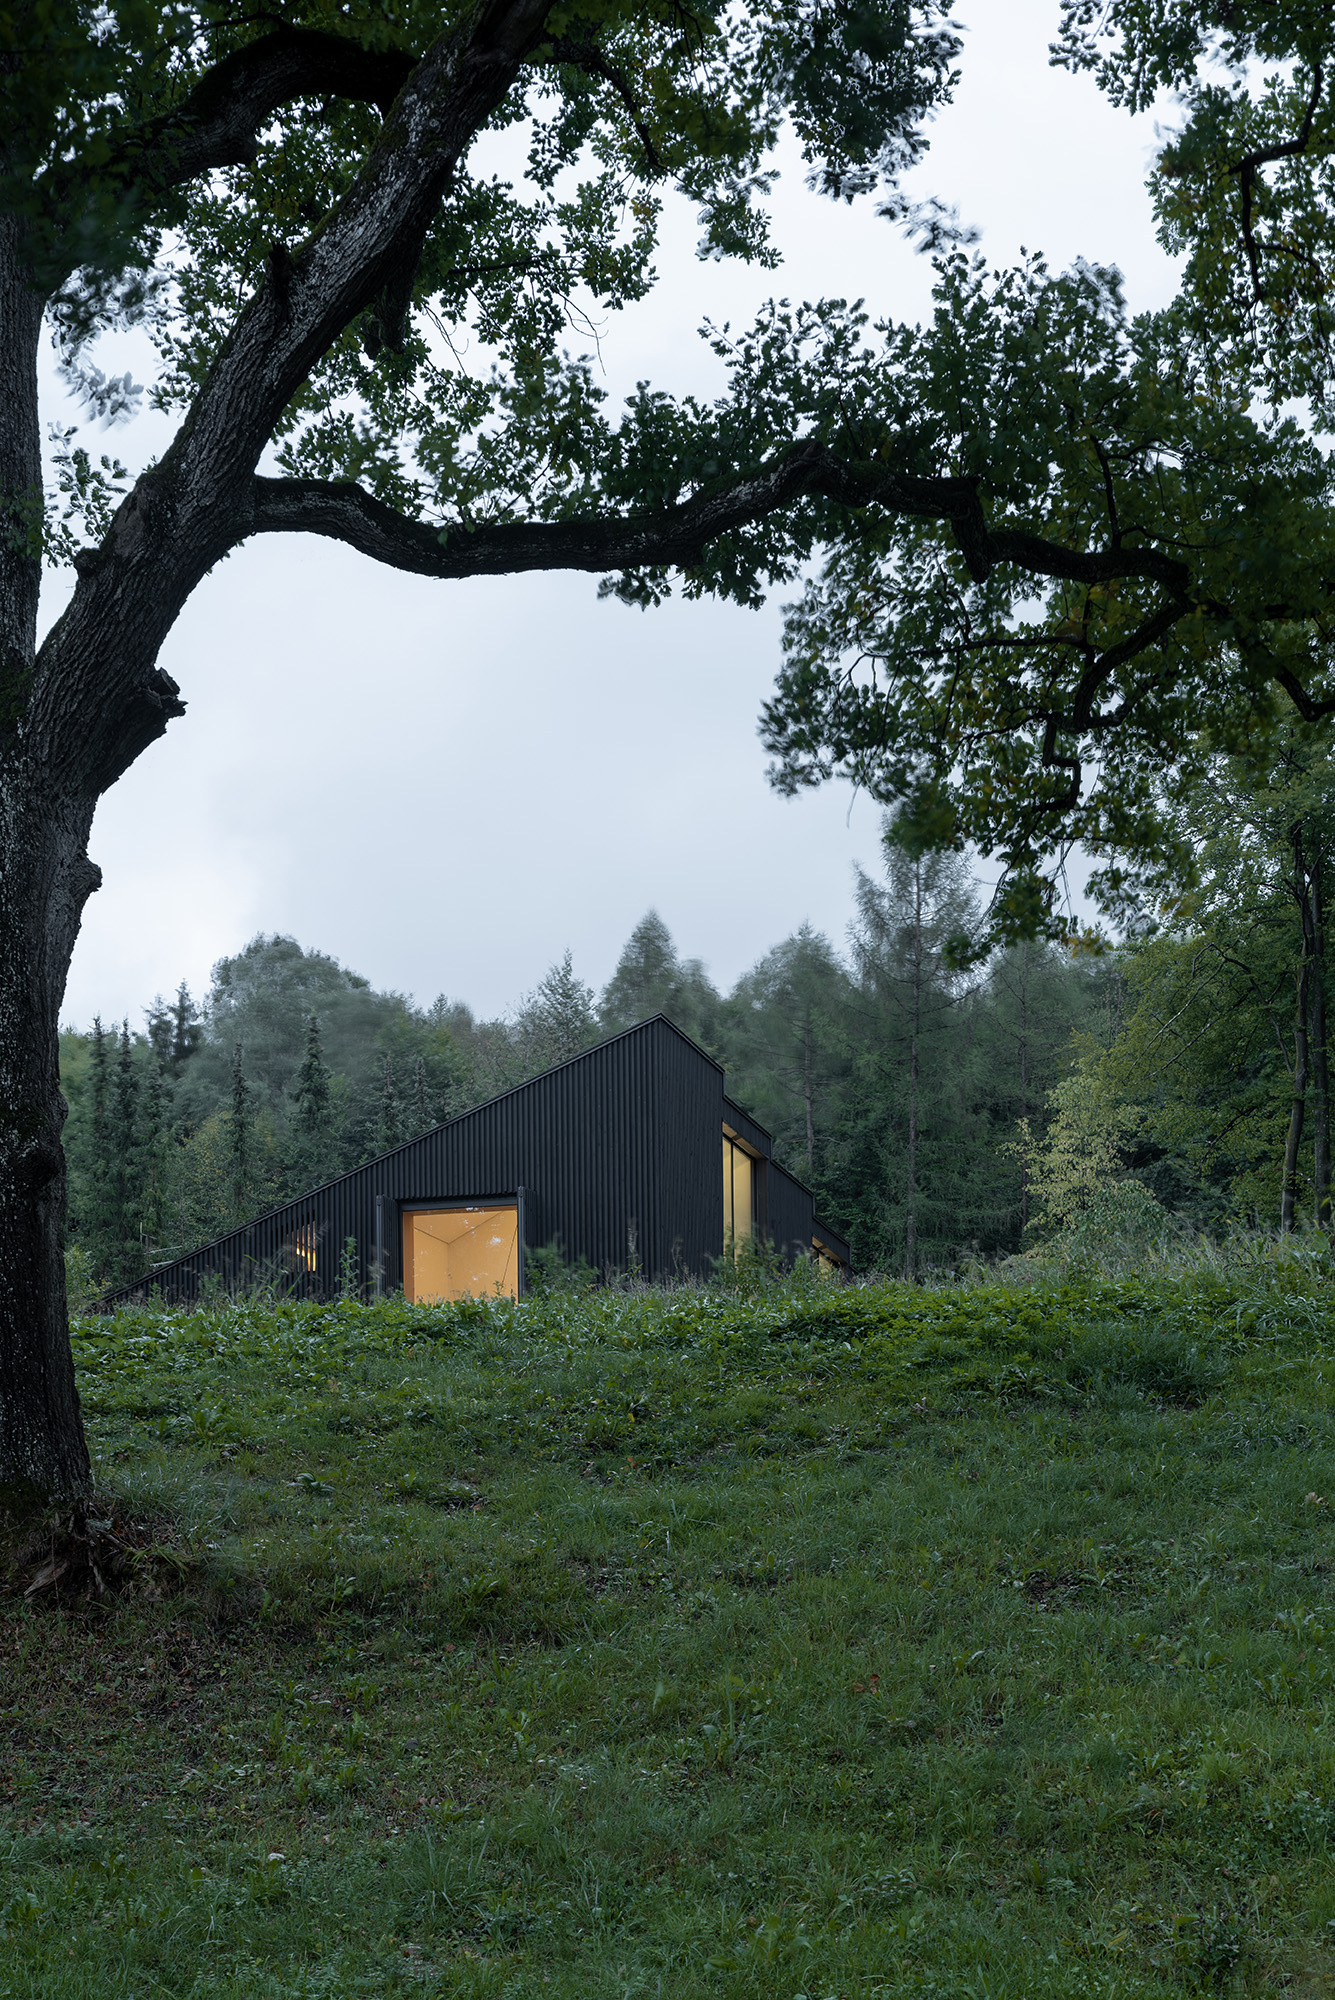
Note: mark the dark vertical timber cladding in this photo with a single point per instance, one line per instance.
(791, 1213)
(689, 1216)
(618, 1151)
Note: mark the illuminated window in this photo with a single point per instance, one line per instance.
(459, 1253)
(300, 1248)
(827, 1263)
(738, 1194)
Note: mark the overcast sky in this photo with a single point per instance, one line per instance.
(447, 784)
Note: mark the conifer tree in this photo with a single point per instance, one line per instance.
(240, 1131)
(159, 1019)
(905, 1163)
(187, 1028)
(785, 1039)
(651, 979)
(389, 1117)
(100, 1235)
(150, 1156)
(557, 1020)
(313, 1118)
(124, 1255)
(423, 1116)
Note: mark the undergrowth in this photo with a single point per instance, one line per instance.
(772, 1639)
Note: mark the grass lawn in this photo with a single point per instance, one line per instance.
(793, 1643)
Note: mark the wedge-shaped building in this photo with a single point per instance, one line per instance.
(630, 1157)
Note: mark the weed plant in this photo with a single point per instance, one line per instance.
(761, 1639)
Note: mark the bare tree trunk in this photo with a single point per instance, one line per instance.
(1319, 1052)
(1289, 1195)
(1288, 1199)
(45, 878)
(807, 1093)
(911, 1164)
(1024, 1085)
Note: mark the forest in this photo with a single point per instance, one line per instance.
(949, 1104)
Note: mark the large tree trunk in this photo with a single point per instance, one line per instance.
(1288, 1199)
(1024, 1088)
(911, 1163)
(45, 877)
(1320, 1053)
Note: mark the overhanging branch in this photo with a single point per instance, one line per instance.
(219, 122)
(678, 536)
(587, 56)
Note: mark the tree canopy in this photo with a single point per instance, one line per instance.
(1053, 558)
(1061, 550)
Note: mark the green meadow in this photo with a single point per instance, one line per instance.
(777, 1641)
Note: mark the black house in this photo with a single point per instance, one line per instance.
(629, 1156)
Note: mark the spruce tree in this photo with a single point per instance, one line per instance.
(423, 1116)
(557, 1019)
(905, 1162)
(151, 1156)
(651, 979)
(159, 1019)
(99, 1231)
(239, 1134)
(312, 1152)
(187, 1028)
(389, 1115)
(785, 1036)
(124, 1249)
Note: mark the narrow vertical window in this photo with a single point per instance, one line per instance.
(738, 1195)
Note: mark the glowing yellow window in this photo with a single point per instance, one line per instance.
(458, 1253)
(300, 1247)
(827, 1263)
(738, 1196)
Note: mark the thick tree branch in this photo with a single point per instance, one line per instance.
(1246, 169)
(678, 536)
(670, 537)
(218, 124)
(186, 512)
(587, 56)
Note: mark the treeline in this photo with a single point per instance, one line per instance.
(894, 1082)
(939, 1106)
(1214, 1087)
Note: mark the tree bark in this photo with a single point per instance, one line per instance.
(45, 878)
(911, 1164)
(1024, 1087)
(1288, 1200)
(1320, 1054)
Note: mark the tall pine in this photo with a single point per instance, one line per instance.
(785, 1036)
(389, 1110)
(557, 1020)
(125, 1248)
(906, 1165)
(651, 979)
(240, 1137)
(312, 1148)
(423, 1115)
(150, 1156)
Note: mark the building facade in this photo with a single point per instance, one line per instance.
(629, 1158)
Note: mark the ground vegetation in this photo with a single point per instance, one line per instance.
(729, 1641)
